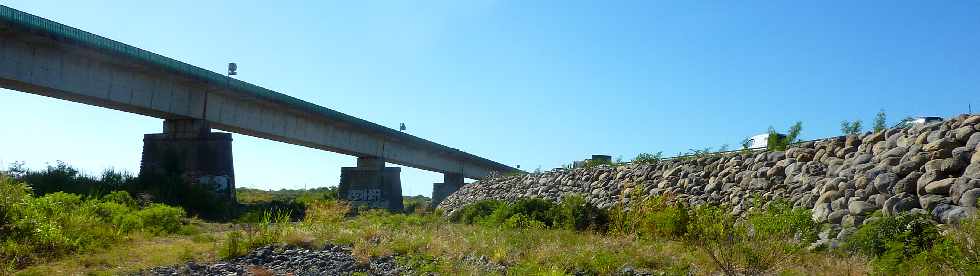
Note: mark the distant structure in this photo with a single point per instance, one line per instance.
(596, 158)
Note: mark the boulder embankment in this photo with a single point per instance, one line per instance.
(932, 168)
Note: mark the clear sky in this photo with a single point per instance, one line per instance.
(534, 83)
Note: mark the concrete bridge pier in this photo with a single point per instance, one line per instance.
(371, 184)
(188, 148)
(450, 183)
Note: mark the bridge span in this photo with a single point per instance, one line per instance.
(47, 58)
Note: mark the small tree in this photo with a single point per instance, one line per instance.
(648, 158)
(880, 121)
(779, 142)
(848, 128)
(746, 143)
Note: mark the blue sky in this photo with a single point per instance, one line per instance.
(535, 83)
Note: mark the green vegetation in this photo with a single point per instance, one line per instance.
(572, 213)
(880, 124)
(855, 127)
(112, 231)
(170, 189)
(302, 196)
(913, 244)
(765, 239)
(35, 229)
(271, 229)
(779, 142)
(849, 128)
(648, 158)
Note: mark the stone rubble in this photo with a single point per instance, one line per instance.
(286, 260)
(932, 168)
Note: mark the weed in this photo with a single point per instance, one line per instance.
(850, 128)
(648, 158)
(777, 142)
(880, 121)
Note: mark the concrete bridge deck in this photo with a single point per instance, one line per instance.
(47, 58)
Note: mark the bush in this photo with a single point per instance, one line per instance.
(893, 240)
(476, 212)
(755, 244)
(521, 220)
(573, 212)
(161, 219)
(648, 158)
(57, 224)
(650, 217)
(850, 128)
(960, 249)
(779, 220)
(535, 209)
(778, 142)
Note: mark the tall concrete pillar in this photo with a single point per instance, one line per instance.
(451, 182)
(371, 184)
(188, 148)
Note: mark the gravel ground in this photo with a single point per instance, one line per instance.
(285, 260)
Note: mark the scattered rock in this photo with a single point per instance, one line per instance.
(287, 260)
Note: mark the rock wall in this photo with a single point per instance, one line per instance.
(933, 168)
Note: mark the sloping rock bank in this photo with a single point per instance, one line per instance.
(280, 260)
(933, 168)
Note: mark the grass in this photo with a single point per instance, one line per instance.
(112, 233)
(37, 229)
(135, 253)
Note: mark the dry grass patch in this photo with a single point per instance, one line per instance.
(138, 252)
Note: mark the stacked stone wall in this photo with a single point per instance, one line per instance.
(932, 168)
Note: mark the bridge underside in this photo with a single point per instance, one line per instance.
(46, 58)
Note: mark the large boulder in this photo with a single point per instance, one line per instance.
(940, 187)
(857, 207)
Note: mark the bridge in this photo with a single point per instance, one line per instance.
(47, 58)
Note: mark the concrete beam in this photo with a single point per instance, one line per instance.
(46, 58)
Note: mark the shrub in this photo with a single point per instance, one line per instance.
(121, 197)
(521, 220)
(959, 250)
(574, 212)
(880, 121)
(893, 240)
(161, 219)
(530, 208)
(476, 212)
(648, 158)
(650, 217)
(849, 128)
(57, 224)
(778, 142)
(779, 220)
(756, 244)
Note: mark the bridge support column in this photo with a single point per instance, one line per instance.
(372, 184)
(450, 183)
(187, 148)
